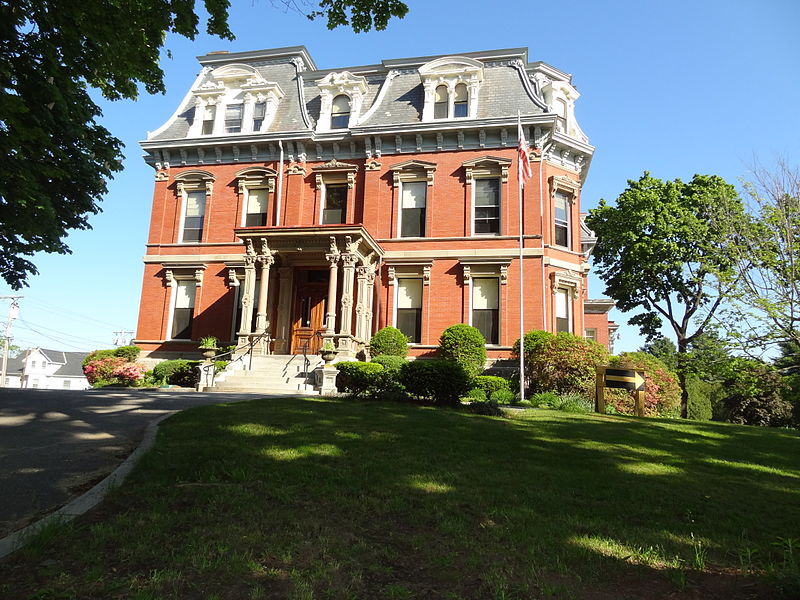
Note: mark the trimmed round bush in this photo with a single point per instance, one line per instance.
(391, 364)
(359, 379)
(490, 383)
(390, 341)
(179, 372)
(442, 381)
(465, 345)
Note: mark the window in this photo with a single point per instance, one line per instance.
(33, 364)
(256, 215)
(259, 113)
(486, 307)
(461, 104)
(340, 112)
(34, 383)
(193, 216)
(440, 105)
(412, 208)
(562, 221)
(487, 206)
(335, 210)
(590, 334)
(209, 116)
(409, 308)
(183, 313)
(66, 384)
(233, 118)
(563, 311)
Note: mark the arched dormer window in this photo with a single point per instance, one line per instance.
(440, 106)
(461, 102)
(340, 112)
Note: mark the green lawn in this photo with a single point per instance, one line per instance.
(341, 499)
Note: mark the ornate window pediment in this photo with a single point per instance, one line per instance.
(487, 166)
(452, 82)
(561, 183)
(195, 180)
(413, 170)
(333, 170)
(256, 177)
(334, 85)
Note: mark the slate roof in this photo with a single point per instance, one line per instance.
(502, 93)
(71, 362)
(14, 367)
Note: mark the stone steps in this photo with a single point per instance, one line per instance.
(268, 374)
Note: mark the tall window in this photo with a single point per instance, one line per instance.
(209, 115)
(487, 206)
(340, 112)
(65, 384)
(486, 307)
(440, 108)
(412, 208)
(562, 221)
(233, 118)
(335, 210)
(563, 311)
(590, 334)
(183, 313)
(256, 207)
(193, 216)
(259, 112)
(409, 308)
(461, 104)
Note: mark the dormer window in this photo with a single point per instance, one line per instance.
(440, 106)
(461, 102)
(341, 97)
(259, 112)
(340, 112)
(451, 85)
(233, 118)
(209, 115)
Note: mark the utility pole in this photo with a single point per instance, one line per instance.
(122, 338)
(13, 313)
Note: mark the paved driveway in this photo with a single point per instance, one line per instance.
(56, 444)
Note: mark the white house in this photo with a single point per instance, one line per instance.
(47, 369)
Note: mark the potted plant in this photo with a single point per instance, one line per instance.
(328, 351)
(208, 345)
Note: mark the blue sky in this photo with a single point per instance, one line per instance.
(676, 88)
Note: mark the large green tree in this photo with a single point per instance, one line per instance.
(56, 158)
(662, 250)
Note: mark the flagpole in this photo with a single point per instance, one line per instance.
(521, 183)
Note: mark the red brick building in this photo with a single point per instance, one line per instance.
(290, 201)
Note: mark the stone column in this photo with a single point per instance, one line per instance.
(261, 315)
(362, 272)
(348, 281)
(333, 280)
(370, 300)
(283, 333)
(248, 295)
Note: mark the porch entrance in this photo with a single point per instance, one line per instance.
(308, 316)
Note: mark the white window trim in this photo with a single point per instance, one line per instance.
(323, 187)
(246, 201)
(499, 208)
(193, 181)
(570, 297)
(450, 71)
(172, 301)
(396, 294)
(410, 179)
(480, 270)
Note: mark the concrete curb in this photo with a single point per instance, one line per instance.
(88, 500)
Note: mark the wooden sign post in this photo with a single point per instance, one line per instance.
(626, 379)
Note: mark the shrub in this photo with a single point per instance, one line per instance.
(562, 363)
(503, 397)
(489, 408)
(702, 397)
(574, 403)
(389, 340)
(476, 395)
(441, 381)
(113, 370)
(179, 372)
(662, 392)
(490, 383)
(359, 379)
(548, 399)
(129, 353)
(753, 395)
(391, 364)
(465, 345)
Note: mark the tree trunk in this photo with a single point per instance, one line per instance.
(682, 366)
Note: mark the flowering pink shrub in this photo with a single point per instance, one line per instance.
(113, 370)
(662, 395)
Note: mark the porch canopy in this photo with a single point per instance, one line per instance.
(291, 250)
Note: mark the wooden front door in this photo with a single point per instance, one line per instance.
(309, 317)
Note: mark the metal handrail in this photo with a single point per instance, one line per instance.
(204, 367)
(306, 362)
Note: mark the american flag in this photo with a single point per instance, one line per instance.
(525, 171)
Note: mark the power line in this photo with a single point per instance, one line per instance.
(58, 339)
(62, 311)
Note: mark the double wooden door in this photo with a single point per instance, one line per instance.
(308, 317)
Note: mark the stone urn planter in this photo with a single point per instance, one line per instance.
(328, 355)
